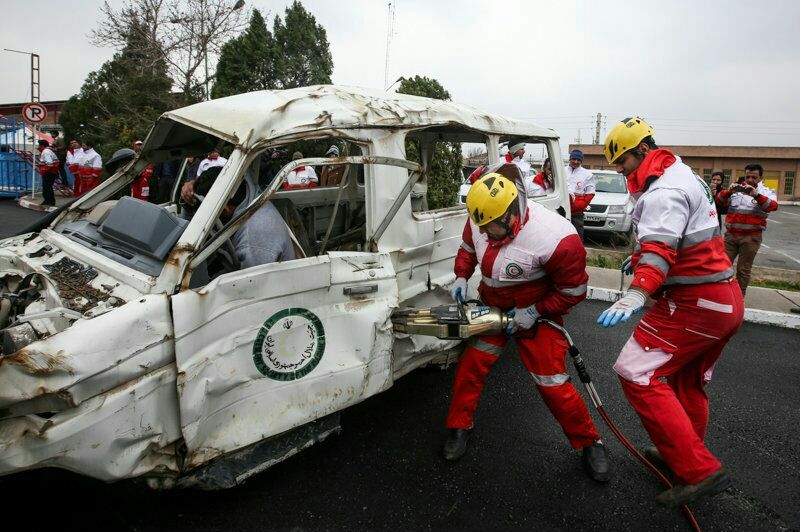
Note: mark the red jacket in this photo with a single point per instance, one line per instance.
(140, 188)
(678, 237)
(747, 215)
(543, 263)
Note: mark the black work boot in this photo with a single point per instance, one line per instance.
(596, 463)
(654, 457)
(456, 444)
(680, 494)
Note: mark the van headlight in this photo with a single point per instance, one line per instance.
(616, 209)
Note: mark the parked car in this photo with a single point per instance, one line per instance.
(463, 190)
(610, 211)
(132, 349)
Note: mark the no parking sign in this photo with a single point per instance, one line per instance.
(34, 112)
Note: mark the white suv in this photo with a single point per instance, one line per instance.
(611, 208)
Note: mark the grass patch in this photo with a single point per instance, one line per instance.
(777, 285)
(601, 261)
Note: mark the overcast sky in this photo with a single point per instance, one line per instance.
(711, 72)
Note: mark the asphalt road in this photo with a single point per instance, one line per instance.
(780, 247)
(384, 471)
(13, 217)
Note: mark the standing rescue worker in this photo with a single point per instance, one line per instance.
(74, 153)
(515, 154)
(532, 263)
(48, 168)
(90, 165)
(581, 189)
(748, 206)
(680, 261)
(140, 188)
(300, 177)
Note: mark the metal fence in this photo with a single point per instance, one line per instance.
(17, 162)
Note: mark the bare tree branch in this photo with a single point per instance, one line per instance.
(187, 33)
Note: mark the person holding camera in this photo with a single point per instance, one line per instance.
(749, 204)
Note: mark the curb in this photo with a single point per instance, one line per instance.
(28, 204)
(786, 202)
(751, 315)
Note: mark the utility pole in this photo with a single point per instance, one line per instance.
(35, 97)
(389, 33)
(597, 129)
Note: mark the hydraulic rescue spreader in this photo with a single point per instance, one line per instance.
(461, 320)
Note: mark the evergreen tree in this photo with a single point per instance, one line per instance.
(445, 172)
(247, 62)
(305, 57)
(119, 103)
(295, 54)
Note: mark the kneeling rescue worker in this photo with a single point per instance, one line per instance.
(533, 263)
(680, 261)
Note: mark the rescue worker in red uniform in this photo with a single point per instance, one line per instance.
(680, 261)
(532, 264)
(90, 166)
(140, 188)
(74, 154)
(48, 169)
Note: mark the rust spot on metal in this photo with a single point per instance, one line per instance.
(72, 282)
(181, 249)
(37, 362)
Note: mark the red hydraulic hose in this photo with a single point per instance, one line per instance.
(586, 379)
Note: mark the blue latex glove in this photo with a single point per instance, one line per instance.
(631, 302)
(459, 289)
(521, 318)
(627, 267)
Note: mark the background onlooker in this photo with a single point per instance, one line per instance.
(48, 168)
(331, 175)
(581, 189)
(717, 177)
(302, 176)
(749, 204)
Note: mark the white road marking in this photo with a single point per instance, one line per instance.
(785, 255)
(765, 246)
(789, 213)
(774, 221)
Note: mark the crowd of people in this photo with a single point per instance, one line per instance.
(533, 265)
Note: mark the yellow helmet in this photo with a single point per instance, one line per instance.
(625, 136)
(489, 197)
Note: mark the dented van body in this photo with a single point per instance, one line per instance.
(125, 357)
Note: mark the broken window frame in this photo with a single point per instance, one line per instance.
(208, 248)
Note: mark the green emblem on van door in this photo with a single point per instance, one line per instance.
(289, 345)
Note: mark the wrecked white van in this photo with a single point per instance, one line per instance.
(131, 349)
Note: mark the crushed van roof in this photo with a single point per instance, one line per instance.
(274, 114)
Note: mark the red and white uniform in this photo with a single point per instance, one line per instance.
(90, 165)
(72, 163)
(301, 177)
(541, 185)
(543, 263)
(140, 188)
(48, 161)
(210, 162)
(680, 259)
(748, 215)
(525, 171)
(580, 183)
